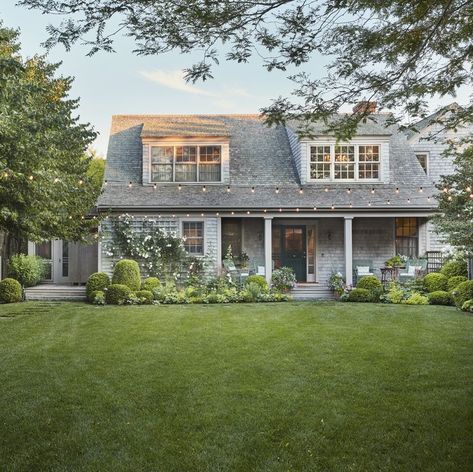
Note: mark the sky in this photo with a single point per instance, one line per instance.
(123, 83)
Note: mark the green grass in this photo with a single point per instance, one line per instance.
(276, 387)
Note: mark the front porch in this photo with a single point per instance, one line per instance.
(315, 247)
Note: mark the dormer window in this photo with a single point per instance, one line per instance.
(186, 163)
(345, 162)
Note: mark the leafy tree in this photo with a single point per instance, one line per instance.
(44, 188)
(396, 52)
(96, 169)
(455, 201)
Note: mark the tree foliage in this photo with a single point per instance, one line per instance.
(396, 52)
(45, 192)
(455, 200)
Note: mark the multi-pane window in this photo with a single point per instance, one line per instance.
(193, 234)
(368, 162)
(345, 162)
(320, 162)
(407, 237)
(186, 163)
(423, 161)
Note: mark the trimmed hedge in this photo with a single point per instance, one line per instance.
(10, 291)
(463, 293)
(150, 283)
(116, 294)
(454, 282)
(360, 295)
(126, 272)
(454, 268)
(146, 296)
(439, 297)
(258, 279)
(371, 283)
(435, 281)
(468, 306)
(98, 281)
(27, 270)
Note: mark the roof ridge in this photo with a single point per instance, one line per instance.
(188, 115)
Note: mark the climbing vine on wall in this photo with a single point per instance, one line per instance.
(158, 252)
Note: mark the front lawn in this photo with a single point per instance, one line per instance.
(264, 387)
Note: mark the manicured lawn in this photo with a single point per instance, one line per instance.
(276, 387)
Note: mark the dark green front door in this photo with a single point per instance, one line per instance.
(293, 250)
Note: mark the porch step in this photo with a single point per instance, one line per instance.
(311, 292)
(55, 292)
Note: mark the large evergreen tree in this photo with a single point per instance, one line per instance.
(44, 188)
(399, 53)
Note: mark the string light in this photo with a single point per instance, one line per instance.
(348, 190)
(397, 190)
(106, 182)
(315, 208)
(333, 206)
(217, 214)
(421, 190)
(369, 204)
(247, 212)
(130, 184)
(408, 200)
(445, 189)
(326, 189)
(179, 187)
(228, 188)
(264, 211)
(280, 210)
(450, 198)
(301, 190)
(388, 202)
(277, 189)
(351, 205)
(372, 190)
(252, 190)
(202, 214)
(468, 189)
(81, 182)
(30, 177)
(233, 212)
(297, 210)
(56, 180)
(155, 186)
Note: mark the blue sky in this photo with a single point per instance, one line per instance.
(123, 83)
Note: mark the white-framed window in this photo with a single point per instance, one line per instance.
(186, 163)
(193, 234)
(345, 162)
(423, 158)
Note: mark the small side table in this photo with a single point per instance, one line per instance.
(388, 274)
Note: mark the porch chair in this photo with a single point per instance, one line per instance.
(237, 274)
(361, 269)
(414, 268)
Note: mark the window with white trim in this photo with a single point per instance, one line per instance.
(423, 159)
(193, 234)
(186, 163)
(345, 162)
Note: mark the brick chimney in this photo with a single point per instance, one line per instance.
(365, 107)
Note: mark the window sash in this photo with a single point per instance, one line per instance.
(193, 233)
(345, 162)
(189, 163)
(407, 236)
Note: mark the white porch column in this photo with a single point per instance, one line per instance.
(348, 250)
(268, 249)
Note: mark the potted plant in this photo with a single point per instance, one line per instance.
(336, 282)
(243, 260)
(396, 261)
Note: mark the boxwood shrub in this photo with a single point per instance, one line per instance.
(360, 295)
(126, 272)
(10, 291)
(98, 281)
(258, 279)
(440, 297)
(28, 270)
(454, 268)
(468, 306)
(463, 293)
(454, 282)
(372, 284)
(145, 296)
(116, 294)
(435, 281)
(150, 283)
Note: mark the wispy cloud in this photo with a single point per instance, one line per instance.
(174, 79)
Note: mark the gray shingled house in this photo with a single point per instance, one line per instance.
(312, 204)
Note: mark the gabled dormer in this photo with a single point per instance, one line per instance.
(186, 150)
